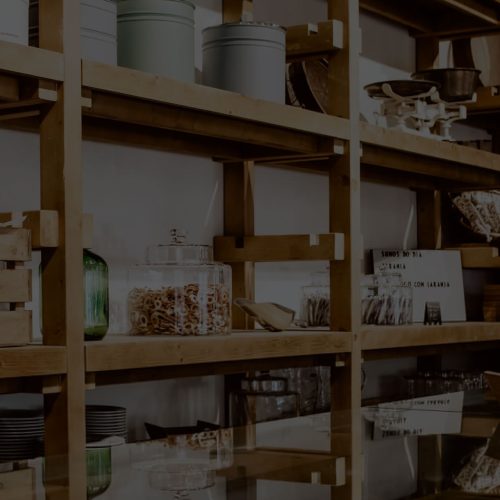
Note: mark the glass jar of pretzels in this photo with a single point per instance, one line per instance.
(180, 291)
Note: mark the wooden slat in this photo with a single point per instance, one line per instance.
(9, 88)
(428, 148)
(239, 221)
(474, 9)
(31, 61)
(15, 285)
(287, 465)
(199, 124)
(43, 224)
(122, 352)
(480, 426)
(488, 100)
(32, 361)
(279, 248)
(15, 328)
(234, 11)
(314, 40)
(18, 484)
(128, 82)
(15, 244)
(429, 232)
(480, 257)
(394, 337)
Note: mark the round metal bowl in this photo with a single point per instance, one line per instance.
(457, 84)
(403, 88)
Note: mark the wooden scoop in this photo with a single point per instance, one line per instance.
(273, 317)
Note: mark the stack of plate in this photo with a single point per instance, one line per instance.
(105, 421)
(21, 434)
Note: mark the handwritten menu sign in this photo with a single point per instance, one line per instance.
(435, 276)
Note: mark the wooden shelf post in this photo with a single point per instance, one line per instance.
(61, 190)
(345, 179)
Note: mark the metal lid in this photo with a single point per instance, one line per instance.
(178, 252)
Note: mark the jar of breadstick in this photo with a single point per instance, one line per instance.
(180, 291)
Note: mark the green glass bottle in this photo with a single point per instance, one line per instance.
(96, 283)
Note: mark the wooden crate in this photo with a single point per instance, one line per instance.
(18, 484)
(15, 286)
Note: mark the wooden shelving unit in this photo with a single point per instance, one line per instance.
(49, 91)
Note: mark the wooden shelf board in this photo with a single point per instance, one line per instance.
(279, 248)
(440, 18)
(32, 361)
(395, 150)
(135, 98)
(479, 257)
(399, 337)
(31, 61)
(125, 352)
(296, 466)
(480, 426)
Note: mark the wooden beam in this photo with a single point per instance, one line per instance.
(474, 9)
(314, 40)
(136, 84)
(31, 61)
(234, 11)
(125, 352)
(279, 248)
(9, 88)
(61, 190)
(296, 466)
(427, 51)
(196, 124)
(429, 231)
(479, 257)
(239, 220)
(430, 149)
(344, 218)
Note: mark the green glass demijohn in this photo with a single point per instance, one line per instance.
(96, 288)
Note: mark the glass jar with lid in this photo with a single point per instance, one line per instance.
(315, 304)
(180, 291)
(386, 300)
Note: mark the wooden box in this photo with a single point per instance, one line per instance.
(17, 484)
(15, 286)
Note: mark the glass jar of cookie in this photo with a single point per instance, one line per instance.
(180, 291)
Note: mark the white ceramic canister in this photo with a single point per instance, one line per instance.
(248, 58)
(157, 36)
(97, 32)
(14, 16)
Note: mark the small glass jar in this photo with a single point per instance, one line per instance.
(180, 291)
(385, 300)
(315, 307)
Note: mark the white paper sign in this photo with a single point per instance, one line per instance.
(433, 276)
(426, 416)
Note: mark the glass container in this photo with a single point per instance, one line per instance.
(180, 291)
(315, 306)
(261, 399)
(385, 300)
(96, 296)
(96, 282)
